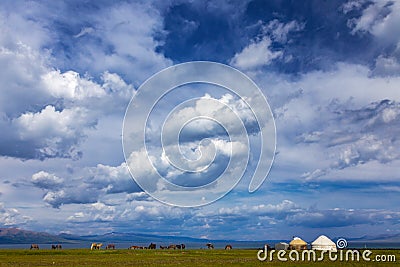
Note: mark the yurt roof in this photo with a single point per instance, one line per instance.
(298, 241)
(323, 240)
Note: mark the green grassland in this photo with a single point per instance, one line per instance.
(199, 257)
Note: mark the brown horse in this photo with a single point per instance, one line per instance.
(110, 246)
(135, 247)
(228, 247)
(162, 247)
(152, 246)
(172, 246)
(34, 246)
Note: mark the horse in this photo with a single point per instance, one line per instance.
(178, 246)
(135, 247)
(96, 246)
(58, 246)
(152, 246)
(110, 246)
(228, 247)
(210, 246)
(162, 247)
(183, 246)
(34, 246)
(172, 246)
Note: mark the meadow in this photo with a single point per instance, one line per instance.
(192, 258)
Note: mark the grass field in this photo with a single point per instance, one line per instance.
(200, 257)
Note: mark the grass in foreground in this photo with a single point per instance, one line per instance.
(192, 258)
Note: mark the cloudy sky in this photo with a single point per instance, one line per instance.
(329, 69)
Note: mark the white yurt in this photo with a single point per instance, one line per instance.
(323, 243)
(281, 246)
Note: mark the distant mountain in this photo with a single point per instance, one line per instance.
(19, 236)
(134, 237)
(395, 238)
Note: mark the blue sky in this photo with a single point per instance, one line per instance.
(329, 69)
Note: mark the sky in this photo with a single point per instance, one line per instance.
(330, 71)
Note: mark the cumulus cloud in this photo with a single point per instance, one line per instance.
(52, 133)
(356, 137)
(87, 185)
(289, 213)
(66, 106)
(378, 18)
(341, 217)
(122, 39)
(12, 216)
(46, 180)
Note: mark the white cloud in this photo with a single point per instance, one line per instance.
(84, 31)
(86, 185)
(387, 66)
(46, 180)
(380, 18)
(279, 31)
(261, 52)
(11, 216)
(126, 31)
(257, 54)
(352, 5)
(53, 133)
(69, 85)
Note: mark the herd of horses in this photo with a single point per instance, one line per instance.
(36, 246)
(97, 246)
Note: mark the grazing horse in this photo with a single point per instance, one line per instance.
(178, 246)
(162, 247)
(34, 246)
(110, 246)
(228, 247)
(210, 246)
(152, 246)
(183, 246)
(58, 246)
(135, 247)
(96, 246)
(172, 247)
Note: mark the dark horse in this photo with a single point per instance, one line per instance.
(58, 246)
(34, 246)
(152, 246)
(210, 246)
(110, 246)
